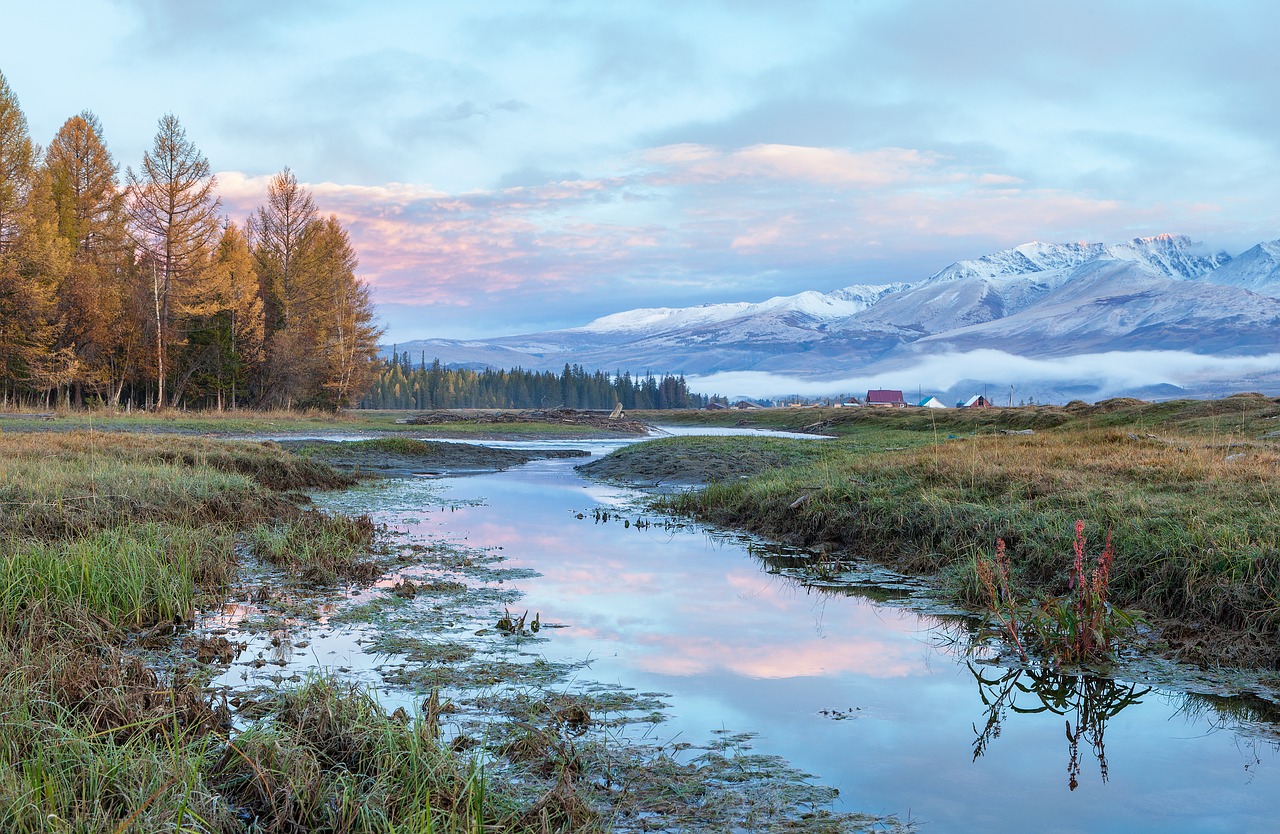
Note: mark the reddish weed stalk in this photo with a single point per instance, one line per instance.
(1080, 627)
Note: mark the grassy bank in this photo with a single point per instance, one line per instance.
(474, 423)
(1187, 490)
(109, 541)
(406, 455)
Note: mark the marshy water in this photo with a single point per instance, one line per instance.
(877, 699)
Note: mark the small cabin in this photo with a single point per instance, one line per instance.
(931, 402)
(976, 401)
(886, 398)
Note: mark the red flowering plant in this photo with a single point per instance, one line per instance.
(1079, 627)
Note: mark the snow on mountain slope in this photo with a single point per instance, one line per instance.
(1173, 255)
(1257, 270)
(1037, 299)
(818, 306)
(1126, 305)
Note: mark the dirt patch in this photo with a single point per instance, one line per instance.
(398, 456)
(557, 416)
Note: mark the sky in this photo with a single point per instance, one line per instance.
(509, 167)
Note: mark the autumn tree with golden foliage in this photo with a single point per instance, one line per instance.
(147, 295)
(90, 209)
(174, 223)
(321, 340)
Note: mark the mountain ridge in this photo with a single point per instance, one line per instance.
(1161, 293)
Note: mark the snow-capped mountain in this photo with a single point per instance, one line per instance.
(1173, 255)
(811, 305)
(1257, 270)
(1161, 293)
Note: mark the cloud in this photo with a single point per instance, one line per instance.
(831, 167)
(691, 223)
(1111, 372)
(238, 25)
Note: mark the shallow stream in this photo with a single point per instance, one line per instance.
(875, 699)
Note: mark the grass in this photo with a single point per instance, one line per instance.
(333, 760)
(701, 459)
(132, 575)
(1192, 511)
(60, 484)
(317, 546)
(248, 422)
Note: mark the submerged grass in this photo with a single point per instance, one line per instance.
(317, 545)
(1192, 512)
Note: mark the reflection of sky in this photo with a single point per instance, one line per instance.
(680, 612)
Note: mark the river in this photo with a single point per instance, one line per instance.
(874, 699)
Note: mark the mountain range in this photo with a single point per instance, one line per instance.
(1148, 299)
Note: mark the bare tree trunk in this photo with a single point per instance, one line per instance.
(155, 293)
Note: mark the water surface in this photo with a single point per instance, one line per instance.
(867, 697)
(874, 700)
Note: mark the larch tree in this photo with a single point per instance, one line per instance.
(32, 268)
(17, 162)
(21, 299)
(226, 333)
(90, 217)
(174, 223)
(348, 335)
(280, 231)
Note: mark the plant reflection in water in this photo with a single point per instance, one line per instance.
(1086, 702)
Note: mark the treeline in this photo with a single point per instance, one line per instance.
(142, 292)
(399, 383)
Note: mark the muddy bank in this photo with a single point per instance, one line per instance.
(396, 456)
(604, 421)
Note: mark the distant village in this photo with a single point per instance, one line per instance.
(876, 398)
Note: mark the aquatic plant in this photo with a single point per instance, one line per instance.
(1078, 627)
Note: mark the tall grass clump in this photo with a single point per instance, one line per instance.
(332, 760)
(91, 739)
(130, 576)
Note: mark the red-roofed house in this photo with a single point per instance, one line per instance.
(886, 398)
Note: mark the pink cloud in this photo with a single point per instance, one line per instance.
(693, 216)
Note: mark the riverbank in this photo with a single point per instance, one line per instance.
(1186, 491)
(399, 456)
(117, 548)
(476, 424)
